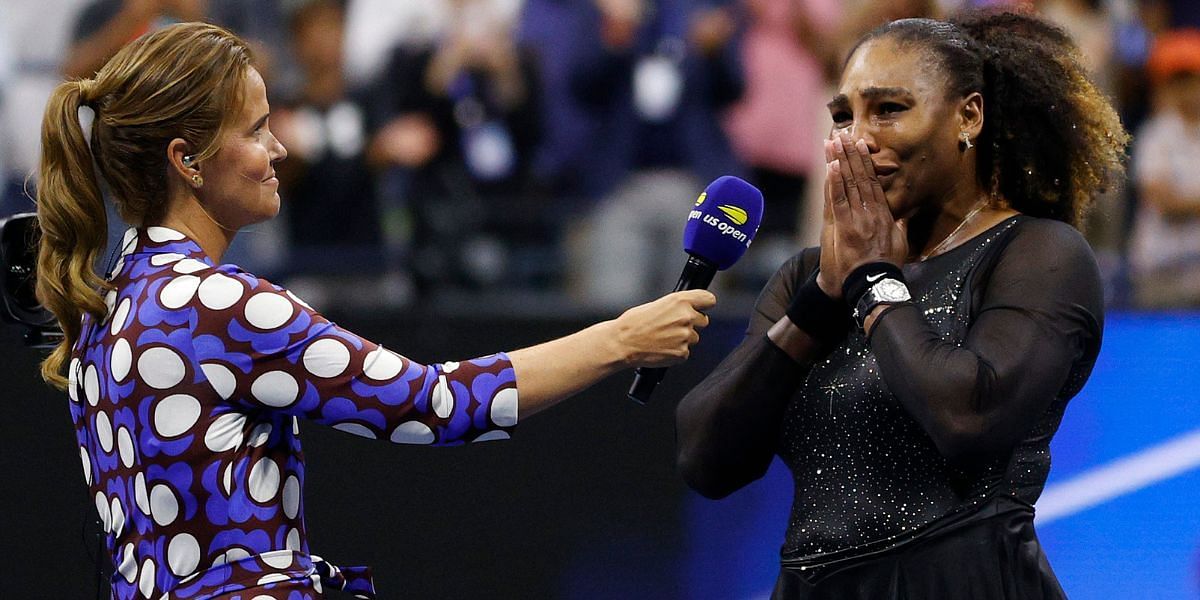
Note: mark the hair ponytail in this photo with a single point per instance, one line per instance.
(73, 224)
(181, 81)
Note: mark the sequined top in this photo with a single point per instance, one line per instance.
(952, 401)
(186, 399)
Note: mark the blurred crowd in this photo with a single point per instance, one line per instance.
(552, 148)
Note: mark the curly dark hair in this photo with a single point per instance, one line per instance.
(1051, 141)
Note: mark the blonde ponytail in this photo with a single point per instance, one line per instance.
(183, 81)
(73, 224)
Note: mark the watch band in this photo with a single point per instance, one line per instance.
(885, 291)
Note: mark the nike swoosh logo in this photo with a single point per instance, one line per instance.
(875, 277)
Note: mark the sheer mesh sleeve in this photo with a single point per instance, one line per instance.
(1034, 337)
(728, 425)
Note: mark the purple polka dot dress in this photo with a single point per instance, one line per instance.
(186, 401)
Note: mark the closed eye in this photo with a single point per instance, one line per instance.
(891, 108)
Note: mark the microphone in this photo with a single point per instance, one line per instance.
(719, 229)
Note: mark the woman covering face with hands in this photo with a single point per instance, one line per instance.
(912, 370)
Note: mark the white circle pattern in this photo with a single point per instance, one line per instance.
(412, 432)
(221, 379)
(183, 554)
(102, 509)
(219, 291)
(163, 234)
(73, 379)
(104, 431)
(275, 388)
(164, 507)
(165, 258)
(125, 446)
(146, 581)
(188, 266)
(225, 432)
(227, 479)
(291, 497)
(128, 568)
(268, 310)
(264, 480)
(140, 496)
(110, 302)
(326, 357)
(87, 465)
(118, 319)
(442, 398)
(179, 291)
(382, 364)
(356, 429)
(175, 415)
(273, 578)
(493, 435)
(122, 360)
(91, 385)
(278, 560)
(117, 517)
(129, 240)
(504, 407)
(161, 368)
(260, 434)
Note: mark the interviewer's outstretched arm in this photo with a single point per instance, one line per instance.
(656, 334)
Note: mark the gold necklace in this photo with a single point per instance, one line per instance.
(948, 238)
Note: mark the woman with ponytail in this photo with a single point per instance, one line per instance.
(912, 370)
(188, 377)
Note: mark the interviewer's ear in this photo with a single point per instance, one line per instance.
(182, 162)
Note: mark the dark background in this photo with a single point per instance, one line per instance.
(583, 502)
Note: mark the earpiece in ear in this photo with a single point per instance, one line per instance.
(188, 161)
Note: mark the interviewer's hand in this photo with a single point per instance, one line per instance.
(655, 334)
(661, 333)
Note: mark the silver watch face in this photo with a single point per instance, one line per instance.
(890, 290)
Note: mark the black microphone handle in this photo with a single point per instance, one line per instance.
(697, 274)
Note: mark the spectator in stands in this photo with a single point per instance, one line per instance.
(459, 121)
(104, 26)
(654, 77)
(326, 178)
(777, 127)
(1165, 248)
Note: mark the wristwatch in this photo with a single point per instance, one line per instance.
(885, 291)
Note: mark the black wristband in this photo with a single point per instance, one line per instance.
(820, 316)
(865, 276)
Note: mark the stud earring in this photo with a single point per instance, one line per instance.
(188, 161)
(966, 144)
(197, 180)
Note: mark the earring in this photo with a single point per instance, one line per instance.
(965, 144)
(197, 180)
(188, 161)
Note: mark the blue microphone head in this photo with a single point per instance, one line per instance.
(723, 223)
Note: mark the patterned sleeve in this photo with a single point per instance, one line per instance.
(261, 347)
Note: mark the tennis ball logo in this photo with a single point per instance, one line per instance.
(700, 200)
(736, 214)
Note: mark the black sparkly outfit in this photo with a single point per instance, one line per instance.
(917, 455)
